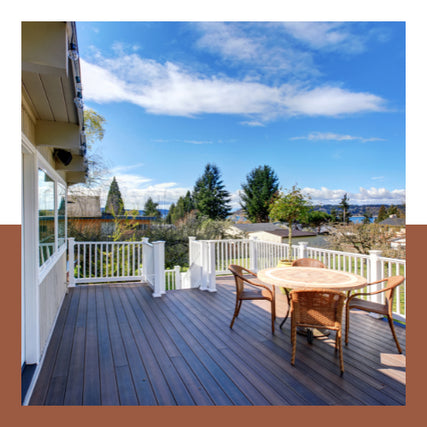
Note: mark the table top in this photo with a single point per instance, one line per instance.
(311, 278)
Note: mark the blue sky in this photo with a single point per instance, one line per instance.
(322, 103)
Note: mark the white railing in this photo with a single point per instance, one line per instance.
(257, 255)
(173, 279)
(153, 267)
(103, 262)
(100, 262)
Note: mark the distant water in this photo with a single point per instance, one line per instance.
(357, 219)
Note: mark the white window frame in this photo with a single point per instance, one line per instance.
(44, 269)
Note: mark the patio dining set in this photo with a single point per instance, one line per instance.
(317, 297)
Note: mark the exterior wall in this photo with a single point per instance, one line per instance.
(51, 293)
(28, 128)
(51, 290)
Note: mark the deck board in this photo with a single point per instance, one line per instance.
(117, 345)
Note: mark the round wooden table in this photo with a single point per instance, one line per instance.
(310, 278)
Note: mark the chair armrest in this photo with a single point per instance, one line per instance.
(372, 293)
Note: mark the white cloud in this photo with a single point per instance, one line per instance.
(252, 123)
(330, 136)
(326, 35)
(330, 101)
(198, 142)
(136, 190)
(170, 89)
(363, 197)
(254, 45)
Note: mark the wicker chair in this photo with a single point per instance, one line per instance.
(248, 289)
(375, 307)
(301, 262)
(308, 262)
(320, 308)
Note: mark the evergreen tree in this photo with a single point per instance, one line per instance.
(318, 218)
(258, 191)
(188, 203)
(170, 214)
(334, 215)
(344, 205)
(114, 204)
(382, 214)
(209, 194)
(367, 217)
(150, 209)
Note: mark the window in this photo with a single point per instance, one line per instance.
(52, 229)
(46, 216)
(60, 203)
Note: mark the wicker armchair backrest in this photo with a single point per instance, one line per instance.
(317, 308)
(308, 262)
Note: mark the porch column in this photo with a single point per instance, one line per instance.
(159, 268)
(208, 266)
(144, 241)
(211, 270)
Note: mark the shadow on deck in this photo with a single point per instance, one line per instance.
(117, 345)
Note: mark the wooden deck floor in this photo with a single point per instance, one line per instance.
(117, 345)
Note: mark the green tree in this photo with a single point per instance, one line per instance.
(290, 207)
(150, 209)
(367, 217)
(382, 214)
(334, 215)
(170, 214)
(318, 218)
(209, 194)
(114, 204)
(344, 206)
(94, 127)
(258, 191)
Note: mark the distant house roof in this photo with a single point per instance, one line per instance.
(295, 233)
(399, 222)
(248, 228)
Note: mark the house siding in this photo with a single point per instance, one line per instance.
(51, 293)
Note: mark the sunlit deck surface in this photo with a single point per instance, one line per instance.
(117, 345)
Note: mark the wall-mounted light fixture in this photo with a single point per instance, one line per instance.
(63, 156)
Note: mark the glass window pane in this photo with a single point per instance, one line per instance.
(46, 216)
(61, 214)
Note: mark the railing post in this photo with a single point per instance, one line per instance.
(204, 259)
(159, 268)
(253, 254)
(177, 270)
(302, 249)
(375, 272)
(190, 249)
(211, 270)
(144, 241)
(71, 278)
